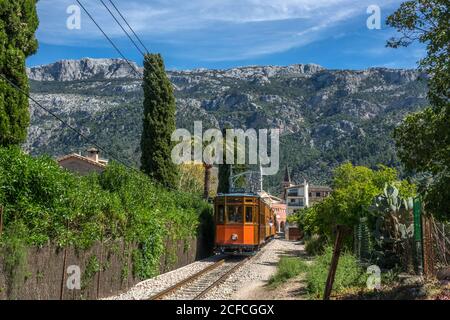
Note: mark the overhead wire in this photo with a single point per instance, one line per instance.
(129, 26)
(65, 123)
(123, 29)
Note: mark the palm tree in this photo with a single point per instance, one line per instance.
(207, 180)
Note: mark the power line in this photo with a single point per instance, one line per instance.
(109, 39)
(65, 123)
(120, 25)
(129, 26)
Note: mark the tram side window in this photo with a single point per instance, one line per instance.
(248, 214)
(220, 214)
(235, 214)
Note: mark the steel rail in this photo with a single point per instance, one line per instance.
(182, 283)
(221, 279)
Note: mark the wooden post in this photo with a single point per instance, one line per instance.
(100, 270)
(61, 294)
(340, 233)
(428, 254)
(207, 180)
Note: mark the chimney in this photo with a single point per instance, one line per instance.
(93, 154)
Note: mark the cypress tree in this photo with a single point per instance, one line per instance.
(224, 178)
(158, 123)
(18, 24)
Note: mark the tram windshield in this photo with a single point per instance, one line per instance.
(235, 214)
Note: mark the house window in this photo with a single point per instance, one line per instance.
(293, 193)
(317, 194)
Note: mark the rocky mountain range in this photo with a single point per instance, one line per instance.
(326, 116)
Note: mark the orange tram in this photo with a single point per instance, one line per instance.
(244, 222)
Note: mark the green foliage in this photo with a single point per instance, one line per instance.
(314, 245)
(14, 256)
(354, 191)
(92, 267)
(427, 21)
(393, 225)
(18, 23)
(348, 273)
(423, 139)
(56, 206)
(363, 240)
(288, 267)
(354, 188)
(158, 123)
(423, 142)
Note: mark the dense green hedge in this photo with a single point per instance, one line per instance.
(52, 205)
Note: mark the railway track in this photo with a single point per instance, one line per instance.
(198, 285)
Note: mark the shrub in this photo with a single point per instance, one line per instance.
(288, 267)
(314, 245)
(55, 206)
(348, 273)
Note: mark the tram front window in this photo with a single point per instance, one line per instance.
(235, 214)
(248, 215)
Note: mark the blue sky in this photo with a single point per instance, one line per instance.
(228, 33)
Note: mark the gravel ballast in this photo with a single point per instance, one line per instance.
(249, 280)
(249, 277)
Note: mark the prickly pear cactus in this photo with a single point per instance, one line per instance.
(393, 228)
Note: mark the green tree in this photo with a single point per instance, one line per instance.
(354, 188)
(423, 139)
(224, 178)
(158, 123)
(18, 24)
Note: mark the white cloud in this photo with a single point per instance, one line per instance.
(228, 29)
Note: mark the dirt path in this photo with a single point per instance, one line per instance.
(258, 289)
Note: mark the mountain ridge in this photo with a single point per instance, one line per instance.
(326, 116)
(117, 68)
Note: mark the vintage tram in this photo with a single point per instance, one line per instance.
(244, 222)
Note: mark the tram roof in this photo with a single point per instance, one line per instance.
(238, 194)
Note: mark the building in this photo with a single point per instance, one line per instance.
(296, 197)
(317, 194)
(299, 196)
(83, 165)
(279, 208)
(280, 212)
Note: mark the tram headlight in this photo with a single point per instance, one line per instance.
(234, 237)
